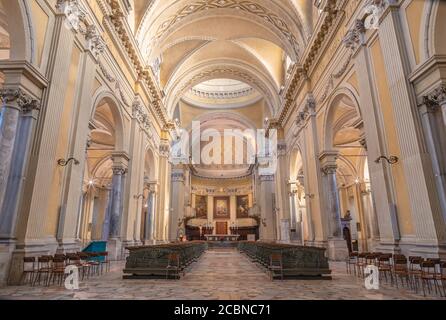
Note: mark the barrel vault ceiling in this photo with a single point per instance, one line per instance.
(194, 45)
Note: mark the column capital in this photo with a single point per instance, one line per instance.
(117, 170)
(374, 12)
(137, 109)
(120, 162)
(293, 188)
(307, 110)
(264, 178)
(164, 148)
(151, 186)
(95, 43)
(355, 36)
(271, 124)
(328, 161)
(281, 148)
(17, 98)
(177, 176)
(74, 13)
(435, 98)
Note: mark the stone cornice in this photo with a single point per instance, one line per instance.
(332, 12)
(318, 42)
(116, 17)
(436, 61)
(29, 70)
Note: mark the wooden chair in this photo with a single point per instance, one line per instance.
(88, 265)
(57, 271)
(106, 261)
(75, 260)
(173, 265)
(415, 271)
(400, 269)
(93, 262)
(43, 268)
(352, 260)
(276, 265)
(441, 276)
(29, 270)
(372, 258)
(429, 275)
(59, 256)
(361, 263)
(384, 266)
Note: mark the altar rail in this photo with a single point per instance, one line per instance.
(152, 261)
(297, 261)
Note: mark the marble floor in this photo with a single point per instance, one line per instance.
(218, 275)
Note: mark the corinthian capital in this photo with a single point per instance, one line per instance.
(74, 13)
(354, 36)
(328, 161)
(373, 11)
(20, 99)
(329, 169)
(119, 170)
(95, 42)
(164, 148)
(311, 103)
(439, 94)
(137, 109)
(436, 98)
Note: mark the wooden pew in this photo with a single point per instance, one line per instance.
(297, 261)
(152, 261)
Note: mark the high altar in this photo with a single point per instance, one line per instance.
(222, 237)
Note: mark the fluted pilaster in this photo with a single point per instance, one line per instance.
(46, 152)
(428, 220)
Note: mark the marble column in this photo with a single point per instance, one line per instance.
(10, 114)
(299, 226)
(443, 111)
(120, 165)
(150, 216)
(337, 248)
(107, 215)
(294, 225)
(293, 210)
(370, 213)
(18, 118)
(266, 204)
(116, 202)
(431, 111)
